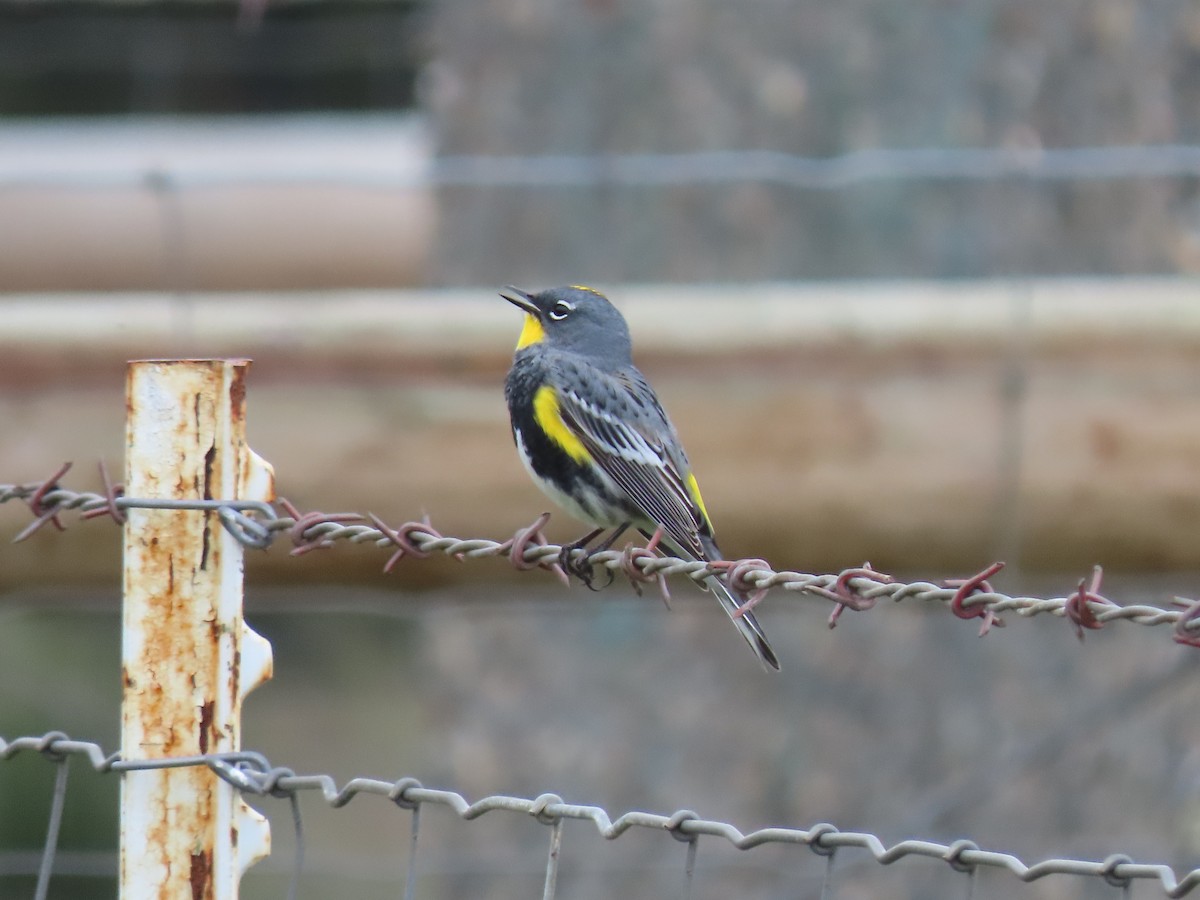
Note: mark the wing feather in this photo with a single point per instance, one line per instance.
(624, 428)
(631, 439)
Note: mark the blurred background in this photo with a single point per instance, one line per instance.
(917, 284)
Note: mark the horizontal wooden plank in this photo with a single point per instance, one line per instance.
(926, 427)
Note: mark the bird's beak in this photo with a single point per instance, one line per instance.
(518, 297)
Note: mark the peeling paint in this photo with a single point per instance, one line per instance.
(206, 724)
(183, 830)
(200, 876)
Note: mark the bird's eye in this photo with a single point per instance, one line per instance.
(561, 310)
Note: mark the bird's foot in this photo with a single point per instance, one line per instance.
(580, 564)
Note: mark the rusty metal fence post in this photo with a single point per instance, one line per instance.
(188, 658)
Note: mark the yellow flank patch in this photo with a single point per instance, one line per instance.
(532, 332)
(694, 490)
(549, 419)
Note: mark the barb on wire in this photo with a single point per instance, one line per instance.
(251, 773)
(41, 513)
(112, 492)
(308, 531)
(1081, 606)
(639, 575)
(1187, 626)
(968, 586)
(846, 596)
(255, 524)
(519, 545)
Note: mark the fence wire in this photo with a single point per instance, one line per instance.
(257, 524)
(253, 775)
(549, 171)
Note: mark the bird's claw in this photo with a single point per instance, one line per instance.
(577, 561)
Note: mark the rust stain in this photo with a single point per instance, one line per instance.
(210, 459)
(171, 745)
(158, 837)
(169, 653)
(206, 721)
(204, 548)
(200, 876)
(237, 393)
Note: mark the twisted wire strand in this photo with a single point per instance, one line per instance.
(859, 588)
(251, 773)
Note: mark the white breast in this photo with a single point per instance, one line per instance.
(569, 503)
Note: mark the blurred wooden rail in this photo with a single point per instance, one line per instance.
(213, 203)
(926, 427)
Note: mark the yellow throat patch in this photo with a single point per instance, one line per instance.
(531, 333)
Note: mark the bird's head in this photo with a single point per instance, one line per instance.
(574, 318)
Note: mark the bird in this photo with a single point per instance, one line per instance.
(594, 436)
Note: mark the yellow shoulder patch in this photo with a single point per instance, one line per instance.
(532, 332)
(549, 419)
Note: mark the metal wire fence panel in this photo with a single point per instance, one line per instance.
(690, 216)
(554, 852)
(253, 775)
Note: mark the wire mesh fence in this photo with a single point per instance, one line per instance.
(833, 858)
(252, 774)
(938, 211)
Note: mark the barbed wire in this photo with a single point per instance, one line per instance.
(859, 588)
(251, 773)
(935, 164)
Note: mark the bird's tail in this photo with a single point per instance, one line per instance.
(732, 603)
(746, 623)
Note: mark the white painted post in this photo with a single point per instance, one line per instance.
(188, 658)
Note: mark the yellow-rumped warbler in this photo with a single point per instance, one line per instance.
(594, 436)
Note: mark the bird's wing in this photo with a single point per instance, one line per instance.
(624, 428)
(627, 433)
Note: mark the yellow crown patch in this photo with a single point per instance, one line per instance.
(584, 287)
